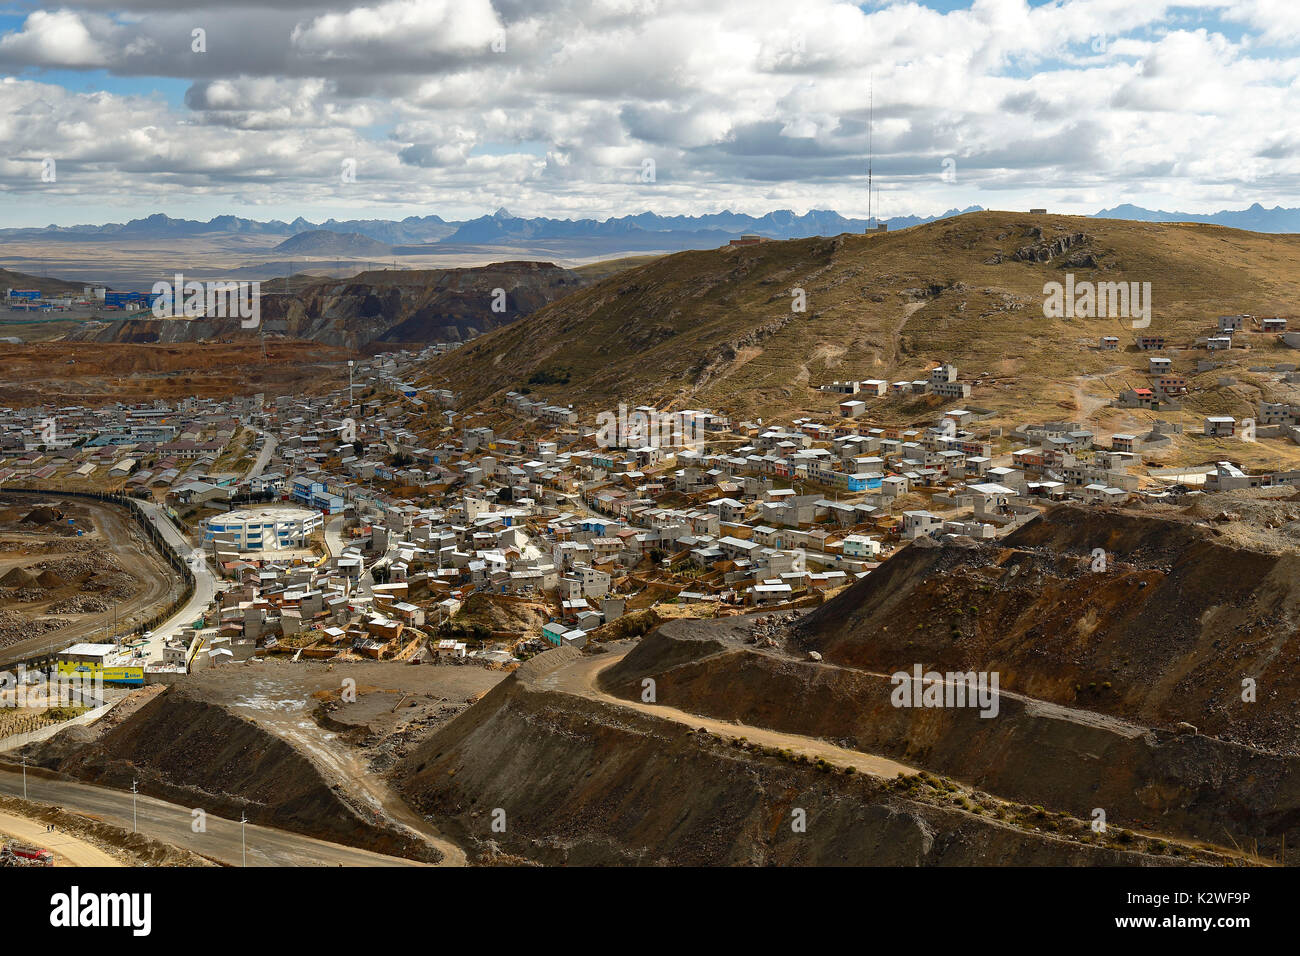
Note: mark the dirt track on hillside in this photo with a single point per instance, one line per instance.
(580, 679)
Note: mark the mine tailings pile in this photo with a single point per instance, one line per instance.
(191, 751)
(535, 773)
(1121, 688)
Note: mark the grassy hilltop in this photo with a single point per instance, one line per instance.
(715, 328)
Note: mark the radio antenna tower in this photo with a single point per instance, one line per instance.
(871, 117)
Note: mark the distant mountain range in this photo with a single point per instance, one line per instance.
(1255, 218)
(499, 228)
(643, 229)
(326, 242)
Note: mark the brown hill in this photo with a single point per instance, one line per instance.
(184, 748)
(715, 328)
(1121, 688)
(407, 306)
(21, 280)
(581, 782)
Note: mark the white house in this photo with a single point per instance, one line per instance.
(859, 546)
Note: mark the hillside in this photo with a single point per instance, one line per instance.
(404, 306)
(715, 328)
(21, 280)
(1121, 689)
(587, 782)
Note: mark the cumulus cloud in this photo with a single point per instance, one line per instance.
(553, 106)
(61, 38)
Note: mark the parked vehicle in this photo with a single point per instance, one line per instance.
(14, 853)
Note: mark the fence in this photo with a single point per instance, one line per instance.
(49, 730)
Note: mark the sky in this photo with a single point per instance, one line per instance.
(596, 108)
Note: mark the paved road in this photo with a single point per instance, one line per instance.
(264, 456)
(205, 581)
(335, 543)
(73, 851)
(171, 823)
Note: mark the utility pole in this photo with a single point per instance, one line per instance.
(243, 844)
(134, 818)
(24, 776)
(350, 364)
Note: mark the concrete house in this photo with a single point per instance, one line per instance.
(918, 523)
(859, 546)
(1220, 425)
(1124, 442)
(728, 509)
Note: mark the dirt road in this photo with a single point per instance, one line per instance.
(67, 850)
(579, 679)
(308, 738)
(118, 532)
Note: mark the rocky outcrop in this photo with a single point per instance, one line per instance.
(1045, 250)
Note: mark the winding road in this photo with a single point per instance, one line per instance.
(580, 679)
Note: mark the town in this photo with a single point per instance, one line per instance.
(375, 521)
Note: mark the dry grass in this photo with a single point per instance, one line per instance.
(714, 328)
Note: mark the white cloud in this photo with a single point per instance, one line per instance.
(60, 38)
(741, 103)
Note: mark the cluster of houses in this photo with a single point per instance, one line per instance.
(407, 514)
(941, 381)
(151, 446)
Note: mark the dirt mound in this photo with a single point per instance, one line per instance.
(1166, 631)
(42, 516)
(48, 579)
(499, 613)
(18, 578)
(1186, 785)
(187, 750)
(82, 604)
(15, 626)
(113, 584)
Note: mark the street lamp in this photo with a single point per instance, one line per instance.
(134, 818)
(243, 844)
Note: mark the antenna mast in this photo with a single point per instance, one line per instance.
(871, 119)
